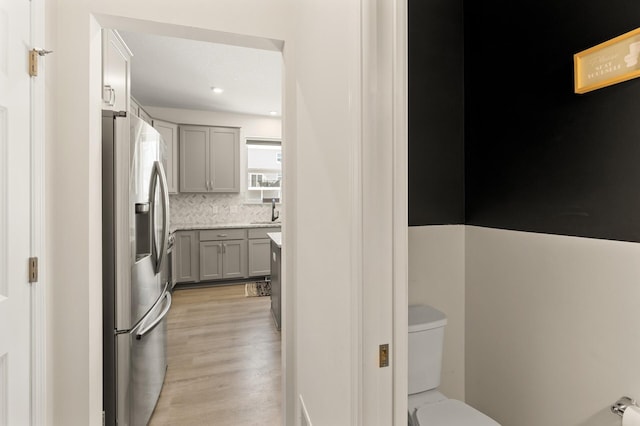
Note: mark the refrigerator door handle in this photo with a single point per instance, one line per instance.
(147, 328)
(158, 175)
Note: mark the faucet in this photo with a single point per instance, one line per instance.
(274, 214)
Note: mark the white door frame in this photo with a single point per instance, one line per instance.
(38, 208)
(383, 163)
(387, 38)
(400, 100)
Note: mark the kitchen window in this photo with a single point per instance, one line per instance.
(264, 170)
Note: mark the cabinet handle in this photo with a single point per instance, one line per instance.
(222, 235)
(224, 248)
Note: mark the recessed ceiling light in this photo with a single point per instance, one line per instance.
(273, 112)
(217, 90)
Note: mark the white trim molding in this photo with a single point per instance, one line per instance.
(400, 210)
(38, 289)
(384, 210)
(355, 72)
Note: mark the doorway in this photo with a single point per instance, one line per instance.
(346, 157)
(188, 84)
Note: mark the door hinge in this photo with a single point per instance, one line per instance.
(384, 355)
(33, 60)
(33, 269)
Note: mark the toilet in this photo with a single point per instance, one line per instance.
(427, 406)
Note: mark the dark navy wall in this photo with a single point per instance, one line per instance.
(534, 155)
(436, 114)
(539, 157)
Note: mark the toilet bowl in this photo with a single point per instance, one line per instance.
(428, 406)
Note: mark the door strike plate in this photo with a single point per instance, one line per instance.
(33, 269)
(384, 355)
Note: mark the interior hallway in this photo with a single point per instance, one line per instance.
(224, 360)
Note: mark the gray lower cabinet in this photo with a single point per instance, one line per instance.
(260, 251)
(222, 254)
(276, 284)
(210, 260)
(187, 254)
(234, 259)
(223, 259)
(259, 264)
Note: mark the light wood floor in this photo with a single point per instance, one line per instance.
(224, 361)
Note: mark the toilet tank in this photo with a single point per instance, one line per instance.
(426, 337)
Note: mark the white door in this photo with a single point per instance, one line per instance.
(15, 214)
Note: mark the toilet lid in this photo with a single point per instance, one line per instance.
(452, 412)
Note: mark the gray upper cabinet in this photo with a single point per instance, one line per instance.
(134, 107)
(144, 116)
(116, 69)
(194, 160)
(225, 159)
(169, 132)
(209, 159)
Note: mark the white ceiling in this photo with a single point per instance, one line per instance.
(179, 73)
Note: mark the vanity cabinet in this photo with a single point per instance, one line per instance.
(116, 71)
(169, 133)
(223, 254)
(209, 159)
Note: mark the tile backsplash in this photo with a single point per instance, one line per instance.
(208, 209)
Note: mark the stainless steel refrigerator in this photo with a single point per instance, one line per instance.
(136, 296)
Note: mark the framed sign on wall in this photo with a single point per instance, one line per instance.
(611, 62)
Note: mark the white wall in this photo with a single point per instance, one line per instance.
(551, 327)
(323, 80)
(51, 98)
(320, 116)
(73, 220)
(437, 278)
(258, 18)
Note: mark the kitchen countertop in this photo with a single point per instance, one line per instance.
(276, 237)
(187, 227)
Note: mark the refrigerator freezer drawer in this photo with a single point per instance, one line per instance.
(142, 366)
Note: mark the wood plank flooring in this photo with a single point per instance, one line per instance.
(224, 361)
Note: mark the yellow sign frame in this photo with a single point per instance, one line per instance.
(611, 62)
